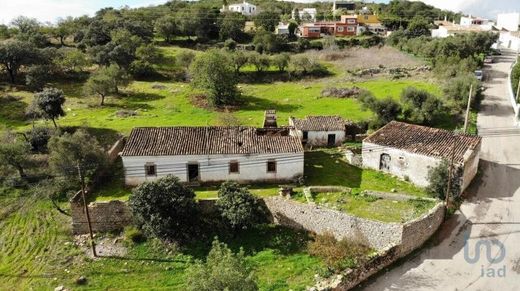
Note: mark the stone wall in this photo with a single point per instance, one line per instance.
(318, 219)
(104, 216)
(113, 152)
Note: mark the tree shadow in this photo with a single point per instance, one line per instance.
(141, 96)
(12, 110)
(323, 168)
(251, 103)
(268, 77)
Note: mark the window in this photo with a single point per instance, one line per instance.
(350, 28)
(271, 166)
(340, 28)
(366, 17)
(150, 169)
(234, 167)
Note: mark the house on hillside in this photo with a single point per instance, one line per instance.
(319, 130)
(509, 21)
(282, 29)
(212, 154)
(305, 14)
(244, 8)
(410, 151)
(318, 29)
(510, 40)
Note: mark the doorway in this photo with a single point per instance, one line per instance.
(193, 172)
(384, 163)
(331, 140)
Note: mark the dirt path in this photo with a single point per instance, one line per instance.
(490, 216)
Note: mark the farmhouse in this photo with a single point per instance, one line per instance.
(410, 151)
(244, 8)
(212, 154)
(319, 130)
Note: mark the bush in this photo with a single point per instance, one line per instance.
(438, 179)
(164, 208)
(141, 69)
(385, 110)
(38, 138)
(239, 208)
(338, 255)
(223, 270)
(134, 235)
(515, 77)
(457, 92)
(230, 44)
(420, 107)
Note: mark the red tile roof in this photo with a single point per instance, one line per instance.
(424, 140)
(319, 123)
(171, 141)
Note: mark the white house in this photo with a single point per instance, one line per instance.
(510, 40)
(450, 29)
(244, 8)
(306, 14)
(319, 130)
(410, 151)
(471, 20)
(508, 21)
(282, 28)
(211, 154)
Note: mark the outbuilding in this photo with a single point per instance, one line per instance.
(212, 154)
(319, 130)
(409, 151)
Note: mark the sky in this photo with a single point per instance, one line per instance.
(51, 10)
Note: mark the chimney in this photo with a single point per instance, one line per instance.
(270, 119)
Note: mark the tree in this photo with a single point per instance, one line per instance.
(231, 26)
(385, 109)
(296, 14)
(29, 30)
(301, 63)
(418, 26)
(239, 59)
(214, 72)
(184, 58)
(70, 152)
(64, 28)
(223, 270)
(37, 76)
(281, 61)
(268, 20)
(268, 42)
(148, 53)
(419, 106)
(15, 54)
(166, 27)
(438, 179)
(261, 62)
(164, 208)
(457, 92)
(106, 81)
(50, 102)
(14, 152)
(72, 60)
(239, 208)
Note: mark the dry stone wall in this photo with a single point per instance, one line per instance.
(320, 220)
(104, 216)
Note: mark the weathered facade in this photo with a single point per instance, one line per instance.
(410, 151)
(211, 154)
(319, 130)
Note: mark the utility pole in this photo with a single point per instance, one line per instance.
(450, 170)
(87, 214)
(466, 120)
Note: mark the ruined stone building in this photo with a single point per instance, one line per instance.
(319, 130)
(410, 151)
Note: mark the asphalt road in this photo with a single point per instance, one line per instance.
(488, 219)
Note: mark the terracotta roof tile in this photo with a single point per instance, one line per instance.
(319, 123)
(424, 140)
(167, 141)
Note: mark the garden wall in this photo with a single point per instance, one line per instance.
(104, 216)
(512, 98)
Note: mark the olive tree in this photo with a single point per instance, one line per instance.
(214, 72)
(222, 270)
(50, 102)
(14, 152)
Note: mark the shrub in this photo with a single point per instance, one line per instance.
(338, 255)
(261, 62)
(385, 110)
(457, 92)
(419, 106)
(438, 179)
(515, 77)
(141, 69)
(230, 44)
(239, 208)
(38, 138)
(223, 270)
(281, 61)
(164, 208)
(134, 235)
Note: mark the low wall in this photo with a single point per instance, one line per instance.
(113, 152)
(104, 216)
(317, 219)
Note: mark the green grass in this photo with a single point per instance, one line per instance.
(375, 209)
(37, 253)
(328, 167)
